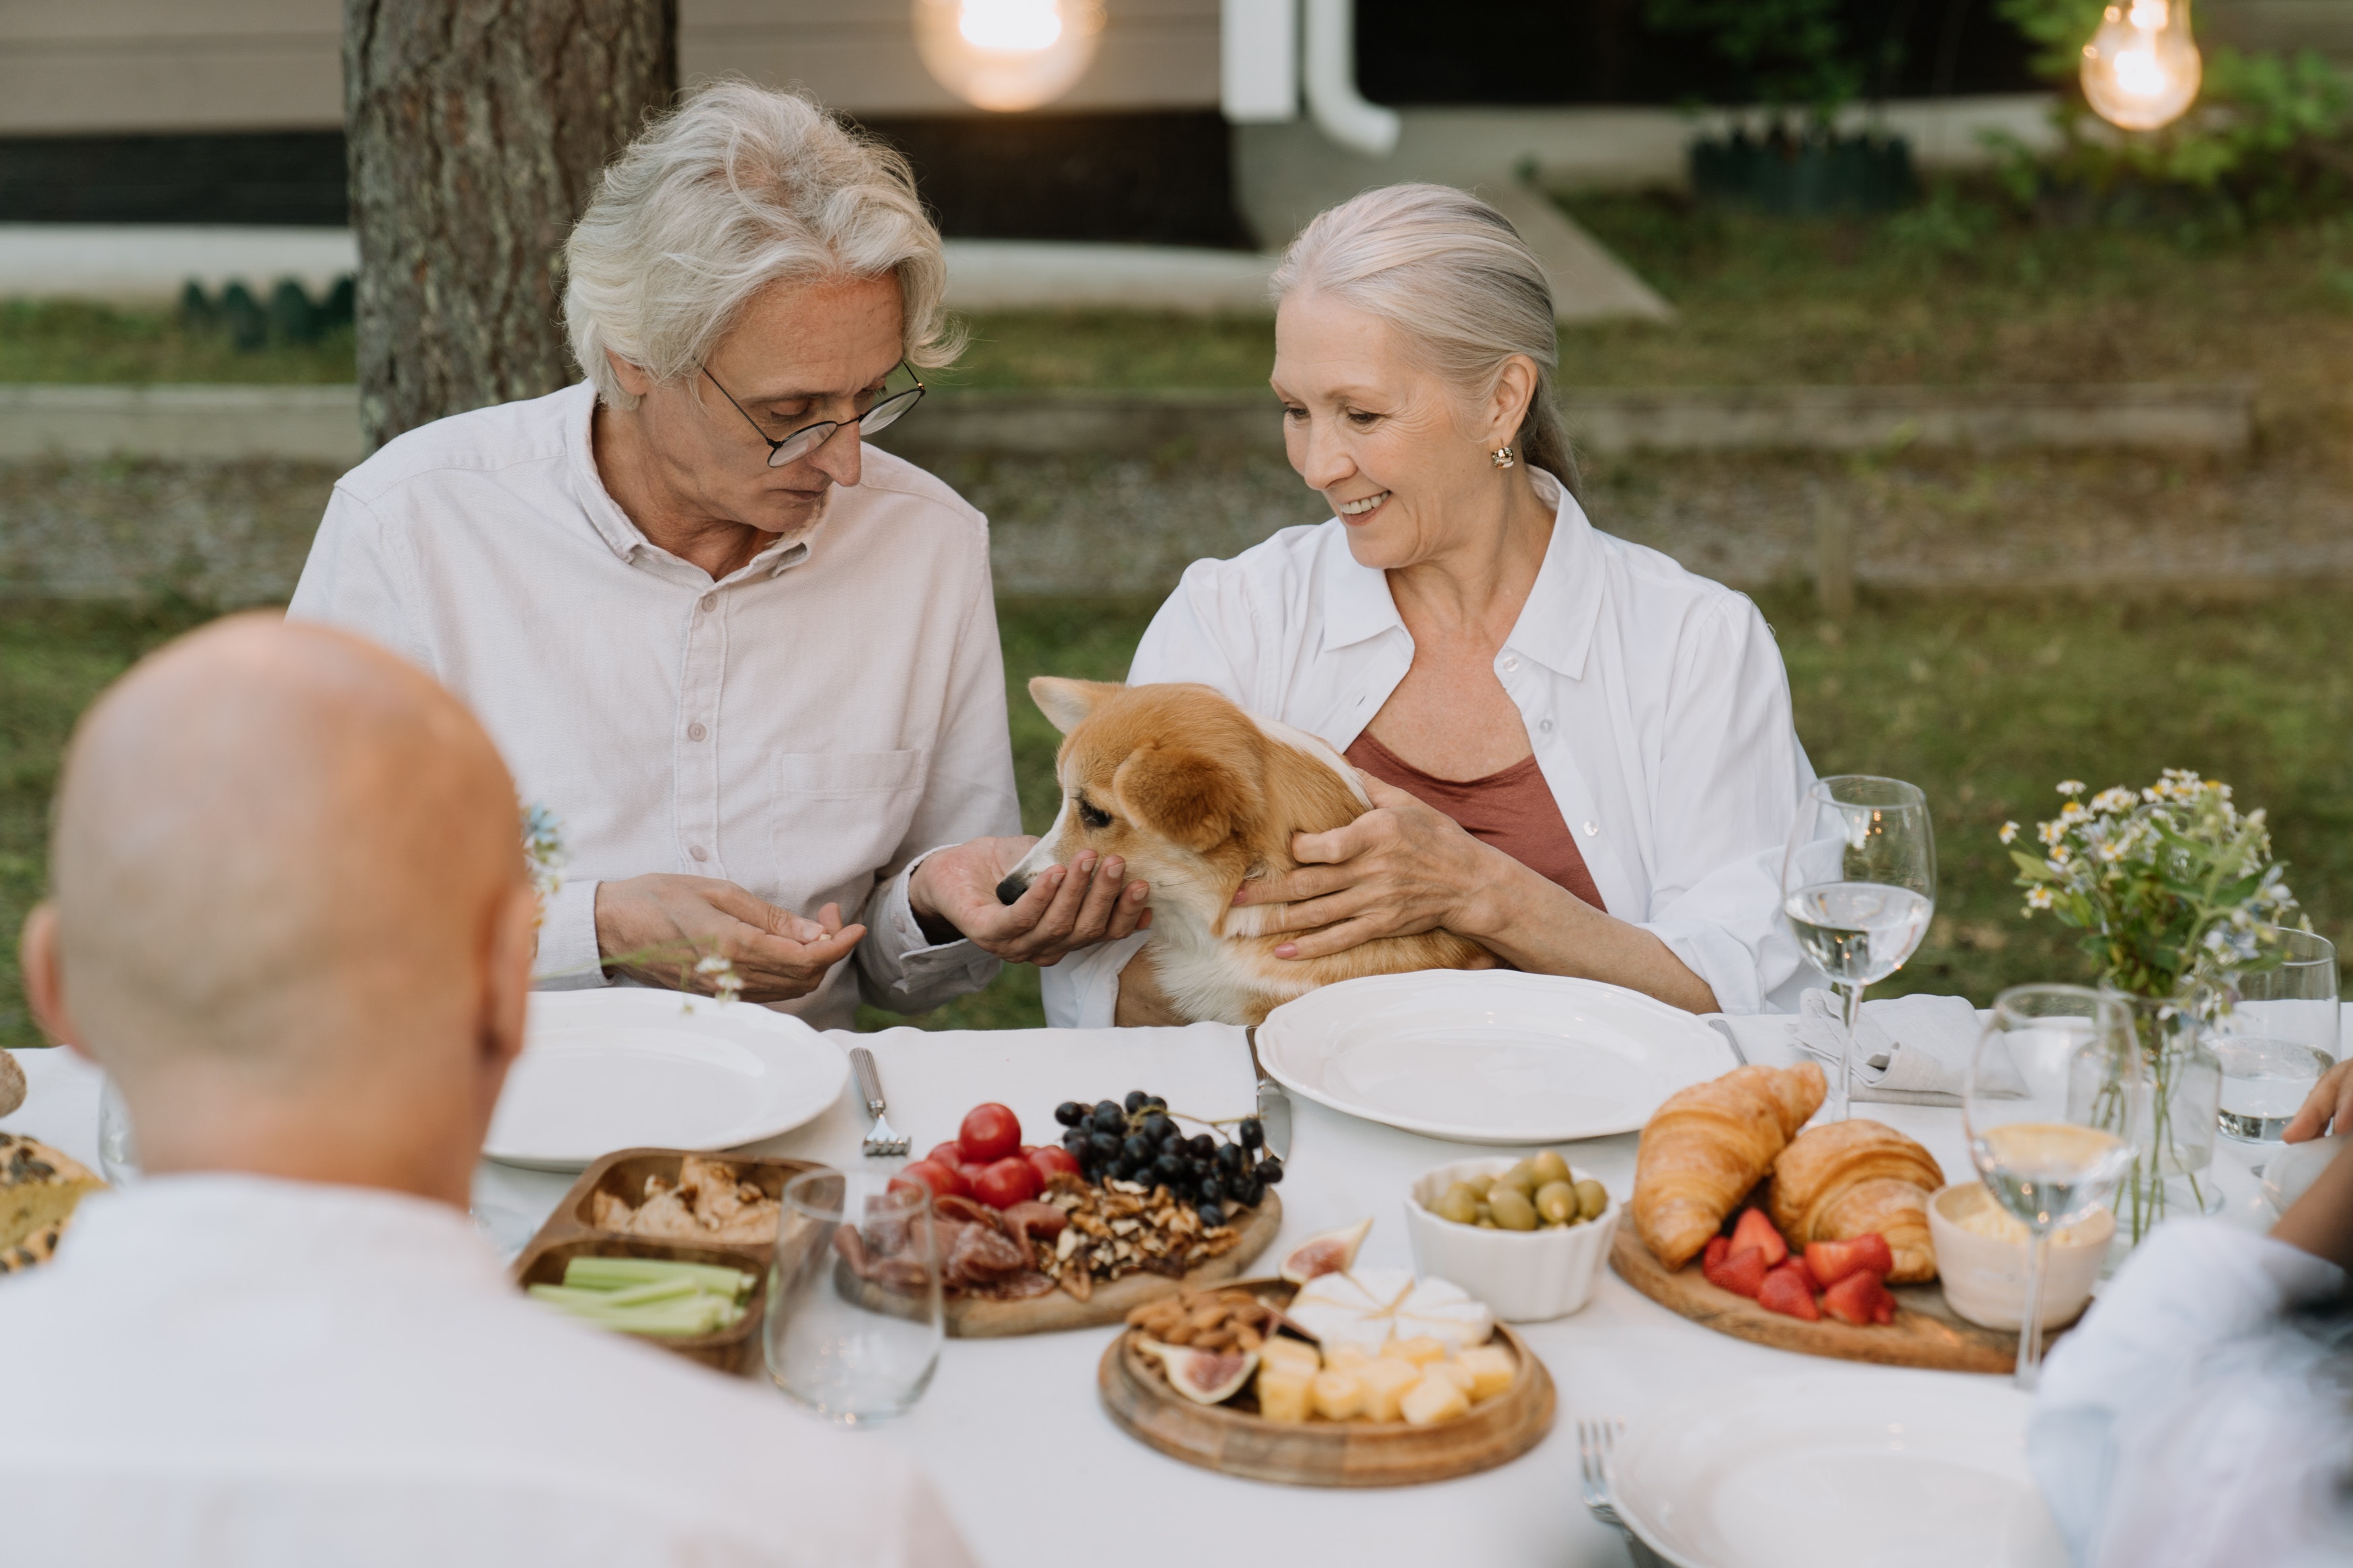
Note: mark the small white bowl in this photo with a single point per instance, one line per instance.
(1523, 1276)
(1985, 1280)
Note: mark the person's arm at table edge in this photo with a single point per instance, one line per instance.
(2321, 1221)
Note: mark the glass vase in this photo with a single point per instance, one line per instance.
(2181, 1090)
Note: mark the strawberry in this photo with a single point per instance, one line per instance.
(1719, 1247)
(1786, 1291)
(1855, 1297)
(1741, 1273)
(1755, 1230)
(1832, 1261)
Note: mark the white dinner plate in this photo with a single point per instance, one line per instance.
(630, 1068)
(1489, 1056)
(1928, 1469)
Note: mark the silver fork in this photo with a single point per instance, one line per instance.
(1594, 1437)
(880, 1142)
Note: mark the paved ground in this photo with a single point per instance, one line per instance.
(236, 533)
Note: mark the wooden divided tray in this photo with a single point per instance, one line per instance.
(1234, 1438)
(1926, 1332)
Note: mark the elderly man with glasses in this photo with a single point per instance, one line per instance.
(749, 664)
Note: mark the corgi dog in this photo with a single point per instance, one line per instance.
(1198, 796)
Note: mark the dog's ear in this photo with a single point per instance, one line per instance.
(1066, 702)
(1187, 796)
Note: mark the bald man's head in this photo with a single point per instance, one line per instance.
(275, 842)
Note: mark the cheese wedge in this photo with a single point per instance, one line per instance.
(1434, 1399)
(1386, 1381)
(1370, 1307)
(1339, 1395)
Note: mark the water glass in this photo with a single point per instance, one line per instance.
(1858, 885)
(2265, 1082)
(118, 1150)
(2297, 1001)
(854, 1318)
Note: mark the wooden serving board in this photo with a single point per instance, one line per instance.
(1235, 1439)
(1926, 1331)
(982, 1320)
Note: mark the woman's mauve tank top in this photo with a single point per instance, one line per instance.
(1514, 810)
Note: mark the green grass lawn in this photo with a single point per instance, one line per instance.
(1986, 703)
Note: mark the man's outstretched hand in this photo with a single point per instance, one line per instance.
(954, 892)
(655, 928)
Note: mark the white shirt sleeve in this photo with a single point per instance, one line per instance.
(2183, 1422)
(1731, 774)
(358, 577)
(968, 793)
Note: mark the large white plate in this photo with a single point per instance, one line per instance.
(1928, 1469)
(630, 1068)
(1489, 1056)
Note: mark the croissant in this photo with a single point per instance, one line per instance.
(1707, 1145)
(1852, 1178)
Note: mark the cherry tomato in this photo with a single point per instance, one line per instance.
(989, 1133)
(1052, 1159)
(945, 1181)
(950, 1153)
(970, 1170)
(1012, 1180)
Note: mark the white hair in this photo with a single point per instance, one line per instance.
(1451, 273)
(740, 187)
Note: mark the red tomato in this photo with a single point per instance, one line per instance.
(970, 1170)
(945, 1181)
(1052, 1159)
(989, 1133)
(950, 1153)
(1012, 1180)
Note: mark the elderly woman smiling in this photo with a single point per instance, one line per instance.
(1579, 754)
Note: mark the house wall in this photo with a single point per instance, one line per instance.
(118, 65)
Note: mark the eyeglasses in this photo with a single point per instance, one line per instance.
(809, 438)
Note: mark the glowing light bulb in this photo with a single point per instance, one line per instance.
(2141, 69)
(1008, 55)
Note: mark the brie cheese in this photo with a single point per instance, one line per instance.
(1370, 1307)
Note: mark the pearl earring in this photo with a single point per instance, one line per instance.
(1501, 457)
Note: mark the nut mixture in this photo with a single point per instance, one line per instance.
(1228, 1319)
(1125, 1227)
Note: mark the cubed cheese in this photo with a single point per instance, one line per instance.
(1386, 1381)
(1491, 1370)
(1339, 1395)
(1296, 1355)
(1420, 1350)
(1282, 1393)
(1434, 1399)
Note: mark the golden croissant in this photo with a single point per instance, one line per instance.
(1856, 1178)
(1708, 1145)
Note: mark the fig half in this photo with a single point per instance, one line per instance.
(1205, 1377)
(1330, 1252)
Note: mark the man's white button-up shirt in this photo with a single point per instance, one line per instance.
(1655, 701)
(806, 728)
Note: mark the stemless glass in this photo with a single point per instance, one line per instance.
(2296, 1002)
(854, 1319)
(2053, 1154)
(1858, 885)
(118, 1150)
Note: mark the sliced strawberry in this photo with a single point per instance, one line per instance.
(1755, 1230)
(1786, 1291)
(1882, 1311)
(1881, 1259)
(1832, 1261)
(1719, 1247)
(1741, 1273)
(1858, 1299)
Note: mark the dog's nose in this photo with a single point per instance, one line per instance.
(1010, 890)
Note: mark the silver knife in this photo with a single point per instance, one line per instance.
(1273, 1104)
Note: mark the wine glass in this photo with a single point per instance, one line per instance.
(1858, 885)
(2050, 1109)
(855, 1315)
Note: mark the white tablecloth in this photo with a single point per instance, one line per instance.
(1035, 1471)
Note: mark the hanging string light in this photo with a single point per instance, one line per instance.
(2141, 69)
(1008, 55)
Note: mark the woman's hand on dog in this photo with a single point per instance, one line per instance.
(654, 928)
(1401, 868)
(954, 892)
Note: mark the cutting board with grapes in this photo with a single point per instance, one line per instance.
(1926, 1332)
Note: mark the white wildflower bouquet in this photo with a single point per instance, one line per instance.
(2172, 885)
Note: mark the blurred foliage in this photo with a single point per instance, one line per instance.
(80, 341)
(2267, 140)
(1784, 54)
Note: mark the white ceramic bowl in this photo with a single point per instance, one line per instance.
(1523, 1276)
(1985, 1280)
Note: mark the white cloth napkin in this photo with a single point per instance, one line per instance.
(1910, 1050)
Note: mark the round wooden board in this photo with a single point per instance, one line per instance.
(1324, 1453)
(1926, 1332)
(1112, 1303)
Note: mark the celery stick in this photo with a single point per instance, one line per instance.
(618, 1273)
(658, 1290)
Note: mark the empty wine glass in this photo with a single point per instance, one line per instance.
(1858, 885)
(855, 1316)
(2052, 1153)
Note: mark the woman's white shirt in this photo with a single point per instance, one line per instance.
(1655, 700)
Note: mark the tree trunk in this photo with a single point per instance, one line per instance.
(476, 129)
